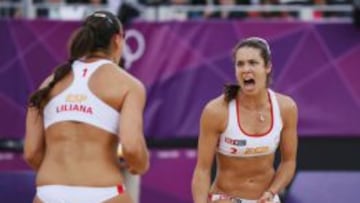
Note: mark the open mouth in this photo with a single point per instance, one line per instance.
(249, 84)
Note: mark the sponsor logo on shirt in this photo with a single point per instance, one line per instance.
(257, 150)
(74, 98)
(73, 103)
(235, 142)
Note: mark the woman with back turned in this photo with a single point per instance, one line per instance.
(79, 115)
(243, 128)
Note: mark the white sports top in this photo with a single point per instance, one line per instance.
(235, 142)
(78, 103)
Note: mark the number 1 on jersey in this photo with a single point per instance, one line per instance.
(84, 72)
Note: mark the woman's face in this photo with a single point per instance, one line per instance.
(251, 71)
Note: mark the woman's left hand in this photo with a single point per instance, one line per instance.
(267, 197)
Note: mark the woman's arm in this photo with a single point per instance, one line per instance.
(210, 123)
(288, 148)
(131, 134)
(34, 146)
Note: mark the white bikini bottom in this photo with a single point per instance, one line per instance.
(77, 194)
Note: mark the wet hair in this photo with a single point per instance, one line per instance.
(231, 90)
(93, 36)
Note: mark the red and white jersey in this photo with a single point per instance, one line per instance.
(78, 103)
(234, 141)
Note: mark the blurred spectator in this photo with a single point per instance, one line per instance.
(295, 2)
(127, 12)
(114, 5)
(339, 2)
(317, 15)
(198, 14)
(86, 1)
(225, 9)
(68, 9)
(337, 14)
(179, 15)
(44, 12)
(275, 14)
(356, 12)
(169, 14)
(76, 1)
(11, 8)
(54, 13)
(97, 2)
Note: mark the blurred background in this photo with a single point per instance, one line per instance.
(181, 51)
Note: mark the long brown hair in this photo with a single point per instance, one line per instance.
(93, 36)
(231, 90)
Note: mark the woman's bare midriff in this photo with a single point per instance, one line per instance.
(243, 177)
(80, 155)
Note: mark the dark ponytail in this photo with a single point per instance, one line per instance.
(81, 42)
(231, 91)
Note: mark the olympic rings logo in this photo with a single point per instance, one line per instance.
(132, 55)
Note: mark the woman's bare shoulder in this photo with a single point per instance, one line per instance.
(287, 105)
(285, 101)
(112, 73)
(216, 108)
